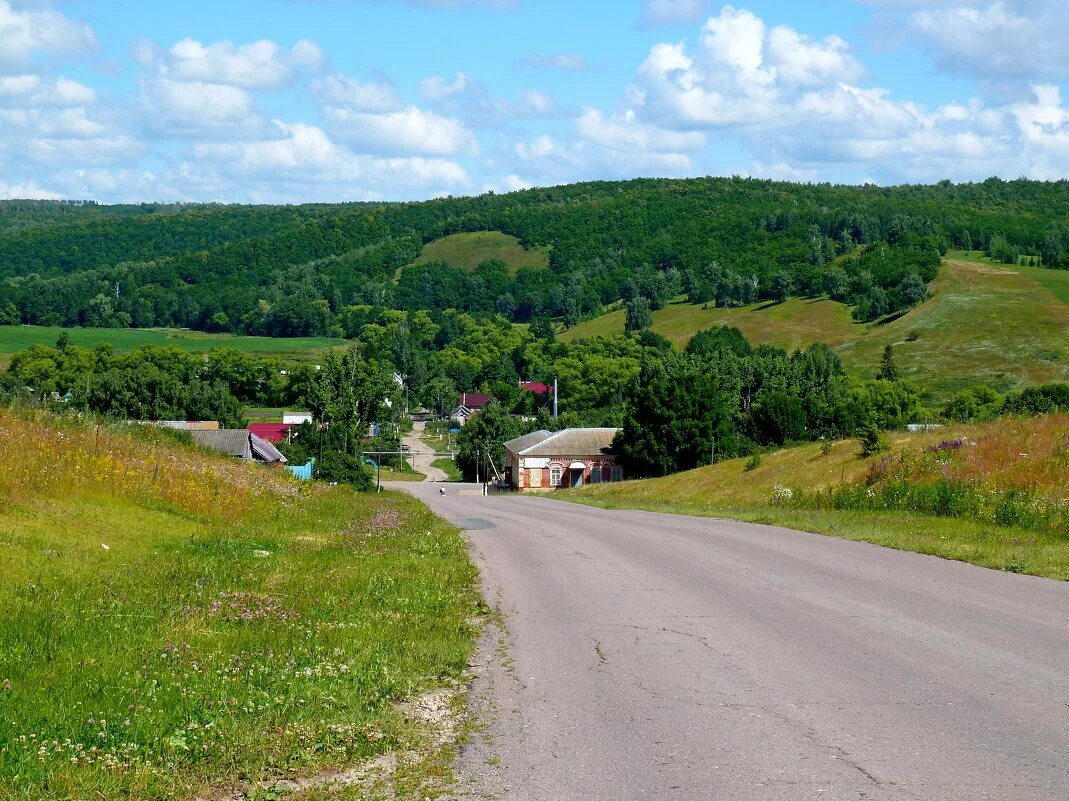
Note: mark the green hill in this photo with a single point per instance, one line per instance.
(983, 323)
(472, 249)
(14, 338)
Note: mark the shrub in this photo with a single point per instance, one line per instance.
(344, 469)
(826, 446)
(872, 440)
(753, 462)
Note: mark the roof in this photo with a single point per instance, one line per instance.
(474, 400)
(238, 443)
(537, 387)
(527, 440)
(574, 442)
(272, 432)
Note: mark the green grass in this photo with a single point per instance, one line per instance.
(14, 338)
(729, 490)
(1057, 281)
(472, 249)
(450, 468)
(983, 324)
(263, 415)
(153, 645)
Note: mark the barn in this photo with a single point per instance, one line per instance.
(543, 461)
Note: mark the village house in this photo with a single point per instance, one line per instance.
(542, 460)
(240, 444)
(272, 432)
(470, 404)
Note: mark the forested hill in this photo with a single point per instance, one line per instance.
(296, 270)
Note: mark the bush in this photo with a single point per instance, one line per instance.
(753, 462)
(872, 440)
(344, 469)
(826, 447)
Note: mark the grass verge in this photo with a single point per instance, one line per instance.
(978, 477)
(175, 621)
(450, 468)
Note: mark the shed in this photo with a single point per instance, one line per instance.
(240, 444)
(272, 432)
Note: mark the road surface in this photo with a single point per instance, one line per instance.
(421, 454)
(661, 657)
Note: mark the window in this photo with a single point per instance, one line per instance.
(555, 473)
(617, 474)
(595, 474)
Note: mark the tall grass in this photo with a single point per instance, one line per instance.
(1012, 473)
(171, 620)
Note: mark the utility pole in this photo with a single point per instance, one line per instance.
(712, 451)
(476, 465)
(554, 398)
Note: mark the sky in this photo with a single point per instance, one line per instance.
(289, 101)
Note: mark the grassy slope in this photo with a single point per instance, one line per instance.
(14, 338)
(472, 249)
(1057, 281)
(729, 490)
(236, 625)
(983, 323)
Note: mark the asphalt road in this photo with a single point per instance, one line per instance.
(660, 657)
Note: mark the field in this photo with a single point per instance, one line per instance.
(14, 338)
(1057, 281)
(979, 478)
(472, 249)
(983, 323)
(175, 622)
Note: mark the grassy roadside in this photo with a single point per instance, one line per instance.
(449, 467)
(175, 621)
(1022, 461)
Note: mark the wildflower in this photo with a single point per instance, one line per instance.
(6, 685)
(104, 547)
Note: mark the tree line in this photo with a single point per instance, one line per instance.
(295, 271)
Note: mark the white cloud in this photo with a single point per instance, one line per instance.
(437, 87)
(510, 183)
(341, 90)
(33, 90)
(625, 132)
(26, 191)
(29, 33)
(563, 62)
(410, 131)
(180, 109)
(536, 103)
(256, 66)
(667, 12)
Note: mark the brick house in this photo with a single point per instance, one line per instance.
(543, 461)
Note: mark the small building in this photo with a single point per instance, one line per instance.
(470, 404)
(272, 432)
(296, 418)
(543, 461)
(182, 425)
(240, 444)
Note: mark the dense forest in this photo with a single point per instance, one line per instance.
(308, 270)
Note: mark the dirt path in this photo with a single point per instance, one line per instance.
(423, 454)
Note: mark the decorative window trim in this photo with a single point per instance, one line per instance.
(556, 475)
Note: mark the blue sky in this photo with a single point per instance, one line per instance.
(306, 100)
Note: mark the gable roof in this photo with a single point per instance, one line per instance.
(527, 440)
(537, 387)
(272, 432)
(574, 442)
(238, 443)
(474, 400)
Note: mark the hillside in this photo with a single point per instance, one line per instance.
(968, 492)
(177, 623)
(472, 249)
(14, 338)
(984, 323)
(290, 271)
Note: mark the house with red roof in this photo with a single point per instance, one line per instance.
(470, 404)
(272, 432)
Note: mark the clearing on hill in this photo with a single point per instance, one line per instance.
(472, 249)
(983, 323)
(14, 338)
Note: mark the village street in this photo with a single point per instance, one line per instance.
(658, 657)
(421, 455)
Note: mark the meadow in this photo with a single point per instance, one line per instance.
(984, 323)
(469, 250)
(175, 621)
(992, 494)
(14, 338)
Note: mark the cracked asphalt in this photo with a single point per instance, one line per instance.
(649, 656)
